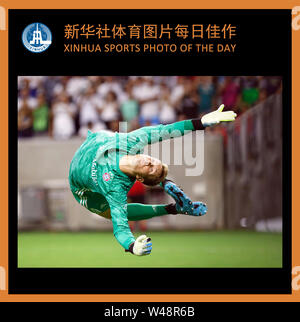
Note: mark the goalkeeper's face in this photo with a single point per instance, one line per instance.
(150, 171)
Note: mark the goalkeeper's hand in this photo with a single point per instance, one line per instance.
(218, 116)
(142, 246)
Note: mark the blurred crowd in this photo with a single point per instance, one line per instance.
(66, 106)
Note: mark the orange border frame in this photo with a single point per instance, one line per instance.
(154, 4)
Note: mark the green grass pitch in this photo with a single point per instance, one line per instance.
(170, 249)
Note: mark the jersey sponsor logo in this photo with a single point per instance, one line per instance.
(106, 176)
(36, 37)
(94, 172)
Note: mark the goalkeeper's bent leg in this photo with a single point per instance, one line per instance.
(138, 211)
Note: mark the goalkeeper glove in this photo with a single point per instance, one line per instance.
(142, 246)
(217, 117)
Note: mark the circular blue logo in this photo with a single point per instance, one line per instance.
(37, 37)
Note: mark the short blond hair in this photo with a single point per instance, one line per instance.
(153, 181)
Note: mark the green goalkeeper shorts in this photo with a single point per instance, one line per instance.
(93, 201)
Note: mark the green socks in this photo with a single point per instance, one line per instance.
(137, 211)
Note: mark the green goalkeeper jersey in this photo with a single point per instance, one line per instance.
(95, 168)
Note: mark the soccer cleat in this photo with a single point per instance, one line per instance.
(199, 209)
(183, 203)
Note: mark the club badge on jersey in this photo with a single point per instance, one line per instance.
(107, 176)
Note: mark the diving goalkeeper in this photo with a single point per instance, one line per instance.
(106, 165)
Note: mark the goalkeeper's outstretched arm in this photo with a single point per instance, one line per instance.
(118, 209)
(153, 134)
